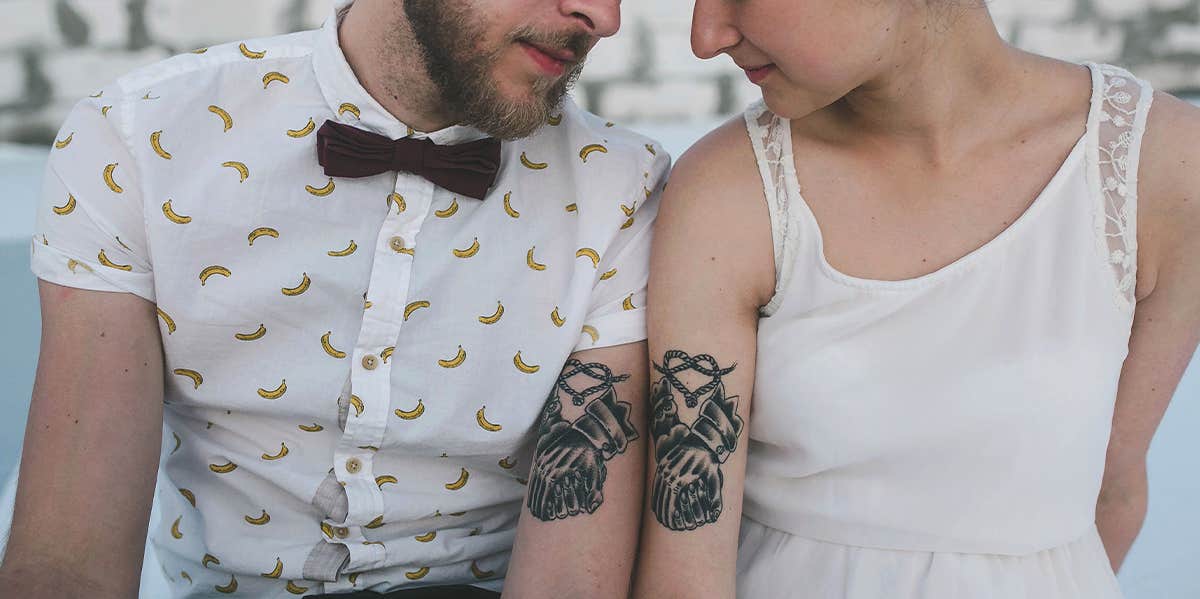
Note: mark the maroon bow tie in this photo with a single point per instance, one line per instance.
(468, 169)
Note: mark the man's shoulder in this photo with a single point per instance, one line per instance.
(196, 71)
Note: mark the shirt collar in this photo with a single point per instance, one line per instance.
(350, 102)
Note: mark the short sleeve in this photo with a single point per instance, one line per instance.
(90, 230)
(617, 313)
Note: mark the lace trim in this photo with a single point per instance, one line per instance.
(1124, 102)
(770, 136)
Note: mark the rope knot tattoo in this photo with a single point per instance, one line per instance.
(703, 364)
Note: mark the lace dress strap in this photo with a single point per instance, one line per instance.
(771, 138)
(1121, 103)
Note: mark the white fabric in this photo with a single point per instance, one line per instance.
(349, 299)
(945, 434)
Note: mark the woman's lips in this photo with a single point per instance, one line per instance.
(757, 74)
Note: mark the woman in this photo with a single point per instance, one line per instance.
(975, 274)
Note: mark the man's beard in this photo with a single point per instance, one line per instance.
(464, 76)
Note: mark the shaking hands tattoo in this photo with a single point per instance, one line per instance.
(569, 469)
(687, 484)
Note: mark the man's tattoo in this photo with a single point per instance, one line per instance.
(687, 477)
(568, 471)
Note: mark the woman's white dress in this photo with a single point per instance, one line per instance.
(944, 437)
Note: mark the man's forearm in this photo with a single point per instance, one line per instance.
(1120, 512)
(54, 581)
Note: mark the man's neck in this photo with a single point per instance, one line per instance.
(379, 45)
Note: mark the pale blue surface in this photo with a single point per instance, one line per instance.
(1163, 563)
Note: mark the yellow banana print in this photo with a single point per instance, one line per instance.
(386, 354)
(322, 191)
(188, 495)
(358, 405)
(225, 468)
(350, 249)
(507, 463)
(531, 263)
(209, 559)
(529, 164)
(310, 428)
(329, 349)
(554, 119)
(215, 269)
(629, 210)
(295, 589)
(242, 170)
(460, 482)
(172, 216)
(608, 274)
(348, 107)
(309, 127)
(413, 307)
(248, 53)
(274, 76)
(178, 442)
(469, 251)
(427, 537)
(67, 208)
(98, 94)
(275, 393)
(283, 451)
(398, 200)
(259, 521)
(556, 319)
(188, 577)
(275, 572)
(628, 303)
(483, 422)
(226, 120)
(591, 332)
(122, 243)
(104, 110)
(72, 263)
(384, 479)
(412, 414)
(300, 288)
(449, 210)
(109, 263)
(590, 149)
(109, 180)
(495, 316)
(456, 361)
(590, 254)
(255, 336)
(417, 574)
(650, 148)
(508, 209)
(196, 378)
(376, 523)
(327, 529)
(262, 232)
(156, 145)
(228, 588)
(64, 142)
(175, 528)
(572, 207)
(480, 574)
(628, 223)
(523, 367)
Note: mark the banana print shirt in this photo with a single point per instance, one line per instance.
(354, 367)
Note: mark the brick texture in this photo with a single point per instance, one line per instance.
(53, 52)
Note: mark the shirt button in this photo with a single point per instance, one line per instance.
(341, 532)
(370, 362)
(353, 465)
(396, 243)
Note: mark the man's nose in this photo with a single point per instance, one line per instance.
(712, 28)
(599, 18)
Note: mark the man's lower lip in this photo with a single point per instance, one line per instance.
(547, 63)
(760, 73)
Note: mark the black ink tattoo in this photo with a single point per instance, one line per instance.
(687, 477)
(568, 471)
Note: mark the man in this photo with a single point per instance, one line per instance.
(379, 336)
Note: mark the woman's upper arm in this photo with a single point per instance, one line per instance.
(91, 445)
(711, 269)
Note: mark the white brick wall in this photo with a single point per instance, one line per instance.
(52, 53)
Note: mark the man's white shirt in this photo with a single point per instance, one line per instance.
(354, 367)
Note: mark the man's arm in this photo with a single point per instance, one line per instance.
(577, 534)
(91, 449)
(1166, 326)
